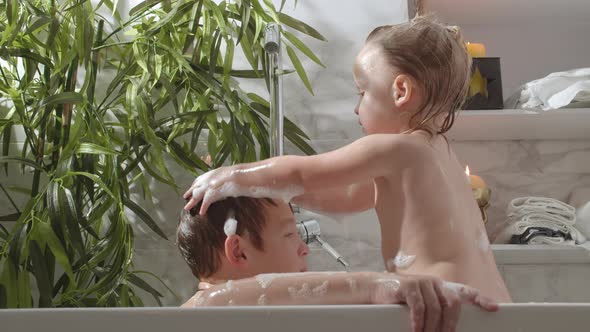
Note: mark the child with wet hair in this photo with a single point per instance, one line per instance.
(247, 251)
(412, 80)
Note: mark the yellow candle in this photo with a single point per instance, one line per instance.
(476, 50)
(475, 181)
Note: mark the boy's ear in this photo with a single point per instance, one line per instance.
(402, 90)
(233, 250)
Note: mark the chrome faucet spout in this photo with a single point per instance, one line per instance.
(309, 231)
(272, 47)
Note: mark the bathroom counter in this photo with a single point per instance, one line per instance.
(507, 124)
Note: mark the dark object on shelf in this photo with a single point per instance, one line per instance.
(485, 89)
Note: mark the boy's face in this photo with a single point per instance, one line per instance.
(374, 79)
(284, 251)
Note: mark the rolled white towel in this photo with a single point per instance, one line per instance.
(522, 206)
(583, 219)
(550, 240)
(526, 212)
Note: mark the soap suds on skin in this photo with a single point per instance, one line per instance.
(264, 280)
(400, 261)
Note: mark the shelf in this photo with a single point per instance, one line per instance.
(501, 125)
(507, 254)
(518, 12)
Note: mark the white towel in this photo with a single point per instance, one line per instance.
(557, 90)
(583, 221)
(526, 212)
(552, 208)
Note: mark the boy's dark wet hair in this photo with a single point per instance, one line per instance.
(200, 239)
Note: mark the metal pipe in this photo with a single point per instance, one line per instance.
(272, 47)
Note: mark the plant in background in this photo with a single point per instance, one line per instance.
(173, 84)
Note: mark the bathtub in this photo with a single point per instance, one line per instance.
(511, 317)
(556, 278)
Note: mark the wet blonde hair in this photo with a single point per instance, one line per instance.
(435, 56)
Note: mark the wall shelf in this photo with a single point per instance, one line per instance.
(518, 12)
(510, 124)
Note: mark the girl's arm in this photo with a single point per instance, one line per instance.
(434, 305)
(342, 200)
(292, 176)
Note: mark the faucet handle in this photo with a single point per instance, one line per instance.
(272, 38)
(309, 230)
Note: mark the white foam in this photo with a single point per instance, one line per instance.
(198, 299)
(302, 293)
(230, 226)
(229, 285)
(389, 284)
(262, 300)
(401, 261)
(454, 286)
(320, 290)
(484, 242)
(351, 284)
(264, 280)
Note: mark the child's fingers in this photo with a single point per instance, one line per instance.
(416, 303)
(208, 198)
(432, 307)
(450, 306)
(471, 295)
(190, 204)
(486, 303)
(195, 197)
(188, 193)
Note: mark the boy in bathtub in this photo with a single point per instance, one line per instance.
(247, 251)
(412, 79)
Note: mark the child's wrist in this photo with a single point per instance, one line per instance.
(370, 286)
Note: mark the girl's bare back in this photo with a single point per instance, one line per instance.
(430, 222)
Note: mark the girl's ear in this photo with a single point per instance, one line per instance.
(402, 88)
(233, 250)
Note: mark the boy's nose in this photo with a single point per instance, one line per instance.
(304, 249)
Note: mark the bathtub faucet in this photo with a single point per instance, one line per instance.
(272, 48)
(309, 231)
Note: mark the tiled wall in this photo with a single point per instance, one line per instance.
(511, 168)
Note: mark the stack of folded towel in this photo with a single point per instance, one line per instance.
(540, 220)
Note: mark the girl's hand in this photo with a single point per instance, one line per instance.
(434, 305)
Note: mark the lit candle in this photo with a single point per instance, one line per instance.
(480, 191)
(475, 181)
(476, 50)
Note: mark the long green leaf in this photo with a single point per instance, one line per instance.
(44, 230)
(24, 161)
(63, 98)
(91, 148)
(94, 178)
(25, 53)
(299, 68)
(145, 286)
(302, 47)
(300, 26)
(144, 216)
(41, 273)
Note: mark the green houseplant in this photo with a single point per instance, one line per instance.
(173, 85)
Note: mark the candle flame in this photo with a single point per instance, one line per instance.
(467, 170)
